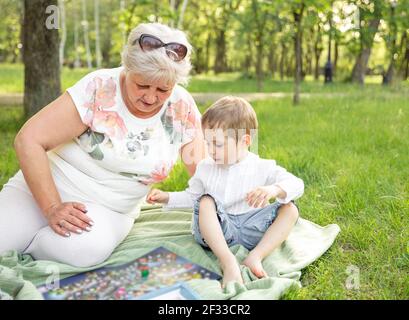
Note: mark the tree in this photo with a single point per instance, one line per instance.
(298, 11)
(40, 55)
(396, 22)
(122, 24)
(318, 48)
(404, 43)
(61, 6)
(10, 23)
(172, 6)
(97, 37)
(182, 13)
(77, 62)
(328, 65)
(222, 18)
(284, 38)
(370, 14)
(84, 23)
(259, 16)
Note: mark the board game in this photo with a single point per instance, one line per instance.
(179, 291)
(156, 270)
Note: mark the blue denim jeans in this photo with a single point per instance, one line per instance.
(245, 228)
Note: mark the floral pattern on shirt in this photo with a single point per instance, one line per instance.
(135, 144)
(180, 122)
(90, 141)
(101, 96)
(107, 129)
(160, 173)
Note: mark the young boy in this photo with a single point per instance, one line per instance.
(231, 189)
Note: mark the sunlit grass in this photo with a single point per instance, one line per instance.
(12, 81)
(12, 77)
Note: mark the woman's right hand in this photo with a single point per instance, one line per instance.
(68, 217)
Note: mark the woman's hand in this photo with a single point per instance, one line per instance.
(68, 217)
(157, 196)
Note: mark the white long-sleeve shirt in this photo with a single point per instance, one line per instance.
(230, 184)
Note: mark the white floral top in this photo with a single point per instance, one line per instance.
(120, 155)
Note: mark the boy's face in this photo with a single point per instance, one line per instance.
(223, 148)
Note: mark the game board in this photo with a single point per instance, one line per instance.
(179, 291)
(158, 269)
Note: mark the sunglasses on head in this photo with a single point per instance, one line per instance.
(175, 51)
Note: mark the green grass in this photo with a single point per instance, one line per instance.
(352, 152)
(12, 81)
(11, 119)
(12, 77)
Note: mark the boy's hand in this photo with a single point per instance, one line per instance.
(157, 196)
(259, 197)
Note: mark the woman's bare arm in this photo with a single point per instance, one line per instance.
(55, 124)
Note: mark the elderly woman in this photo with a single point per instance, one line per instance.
(88, 158)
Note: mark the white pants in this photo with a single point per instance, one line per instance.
(24, 228)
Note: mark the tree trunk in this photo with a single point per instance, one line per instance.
(260, 22)
(259, 66)
(199, 65)
(390, 74)
(86, 38)
(282, 60)
(122, 24)
(361, 63)
(41, 57)
(406, 76)
(182, 14)
(310, 53)
(298, 54)
(97, 36)
(317, 65)
(77, 62)
(249, 55)
(317, 53)
(406, 72)
(208, 42)
(272, 59)
(106, 41)
(172, 7)
(129, 25)
(308, 58)
(21, 35)
(290, 66)
(220, 62)
(63, 31)
(336, 54)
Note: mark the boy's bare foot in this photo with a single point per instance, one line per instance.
(254, 263)
(231, 271)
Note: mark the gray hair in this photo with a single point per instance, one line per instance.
(155, 65)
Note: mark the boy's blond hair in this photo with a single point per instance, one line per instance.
(231, 114)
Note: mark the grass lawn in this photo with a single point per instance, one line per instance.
(12, 81)
(12, 77)
(352, 153)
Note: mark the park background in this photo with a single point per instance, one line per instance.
(348, 138)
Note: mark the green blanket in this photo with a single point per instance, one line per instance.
(20, 274)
